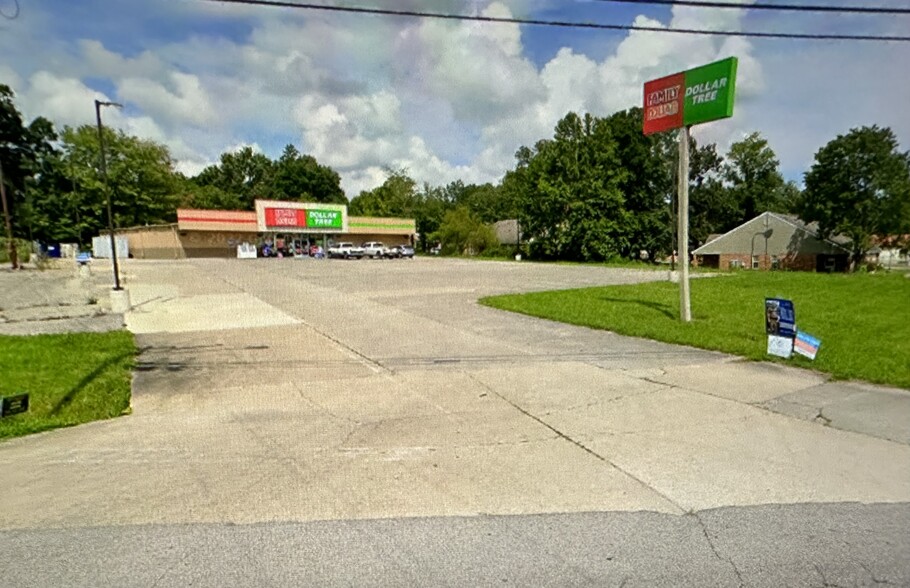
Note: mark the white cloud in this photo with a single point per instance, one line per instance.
(188, 103)
(446, 100)
(99, 61)
(9, 77)
(64, 100)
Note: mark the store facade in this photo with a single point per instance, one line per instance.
(293, 228)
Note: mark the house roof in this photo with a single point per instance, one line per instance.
(791, 235)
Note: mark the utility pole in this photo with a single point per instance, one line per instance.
(107, 191)
(685, 310)
(13, 257)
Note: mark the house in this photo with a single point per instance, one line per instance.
(890, 251)
(774, 241)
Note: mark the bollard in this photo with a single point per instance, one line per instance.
(120, 301)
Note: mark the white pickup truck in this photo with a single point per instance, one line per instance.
(345, 250)
(374, 249)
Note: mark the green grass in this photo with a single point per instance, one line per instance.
(71, 379)
(861, 319)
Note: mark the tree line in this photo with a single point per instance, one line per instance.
(598, 189)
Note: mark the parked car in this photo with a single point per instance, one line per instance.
(399, 251)
(345, 250)
(374, 249)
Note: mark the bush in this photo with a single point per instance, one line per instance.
(23, 250)
(462, 233)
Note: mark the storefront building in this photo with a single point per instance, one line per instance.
(290, 226)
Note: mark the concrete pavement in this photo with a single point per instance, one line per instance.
(286, 390)
(765, 546)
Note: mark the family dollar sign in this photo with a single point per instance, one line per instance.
(691, 97)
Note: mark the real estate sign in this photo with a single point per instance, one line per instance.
(780, 317)
(300, 217)
(691, 97)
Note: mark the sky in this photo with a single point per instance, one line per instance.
(445, 100)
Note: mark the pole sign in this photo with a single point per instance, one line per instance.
(274, 216)
(691, 97)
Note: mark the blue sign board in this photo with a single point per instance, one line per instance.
(780, 318)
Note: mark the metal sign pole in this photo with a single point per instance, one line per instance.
(685, 310)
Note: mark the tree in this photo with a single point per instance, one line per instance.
(859, 186)
(208, 197)
(26, 153)
(569, 192)
(648, 186)
(431, 210)
(488, 202)
(397, 196)
(462, 233)
(756, 184)
(300, 177)
(712, 208)
(140, 177)
(244, 173)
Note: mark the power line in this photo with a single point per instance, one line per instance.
(778, 7)
(563, 24)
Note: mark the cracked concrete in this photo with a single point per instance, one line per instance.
(871, 410)
(55, 300)
(424, 404)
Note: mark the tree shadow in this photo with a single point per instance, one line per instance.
(664, 309)
(85, 381)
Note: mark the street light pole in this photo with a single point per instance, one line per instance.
(13, 258)
(766, 234)
(107, 191)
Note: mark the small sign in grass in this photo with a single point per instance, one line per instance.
(70, 379)
(862, 318)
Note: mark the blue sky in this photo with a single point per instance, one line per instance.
(445, 100)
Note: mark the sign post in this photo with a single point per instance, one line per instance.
(683, 231)
(679, 101)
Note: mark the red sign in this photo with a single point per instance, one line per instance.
(285, 217)
(664, 103)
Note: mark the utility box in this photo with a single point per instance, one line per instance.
(101, 247)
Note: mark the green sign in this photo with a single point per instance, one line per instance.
(323, 219)
(691, 97)
(709, 92)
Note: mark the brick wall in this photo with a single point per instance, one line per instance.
(804, 262)
(799, 262)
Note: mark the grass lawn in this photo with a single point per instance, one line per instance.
(862, 319)
(71, 379)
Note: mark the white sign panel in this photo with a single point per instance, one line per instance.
(780, 346)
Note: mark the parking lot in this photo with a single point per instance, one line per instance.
(352, 389)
